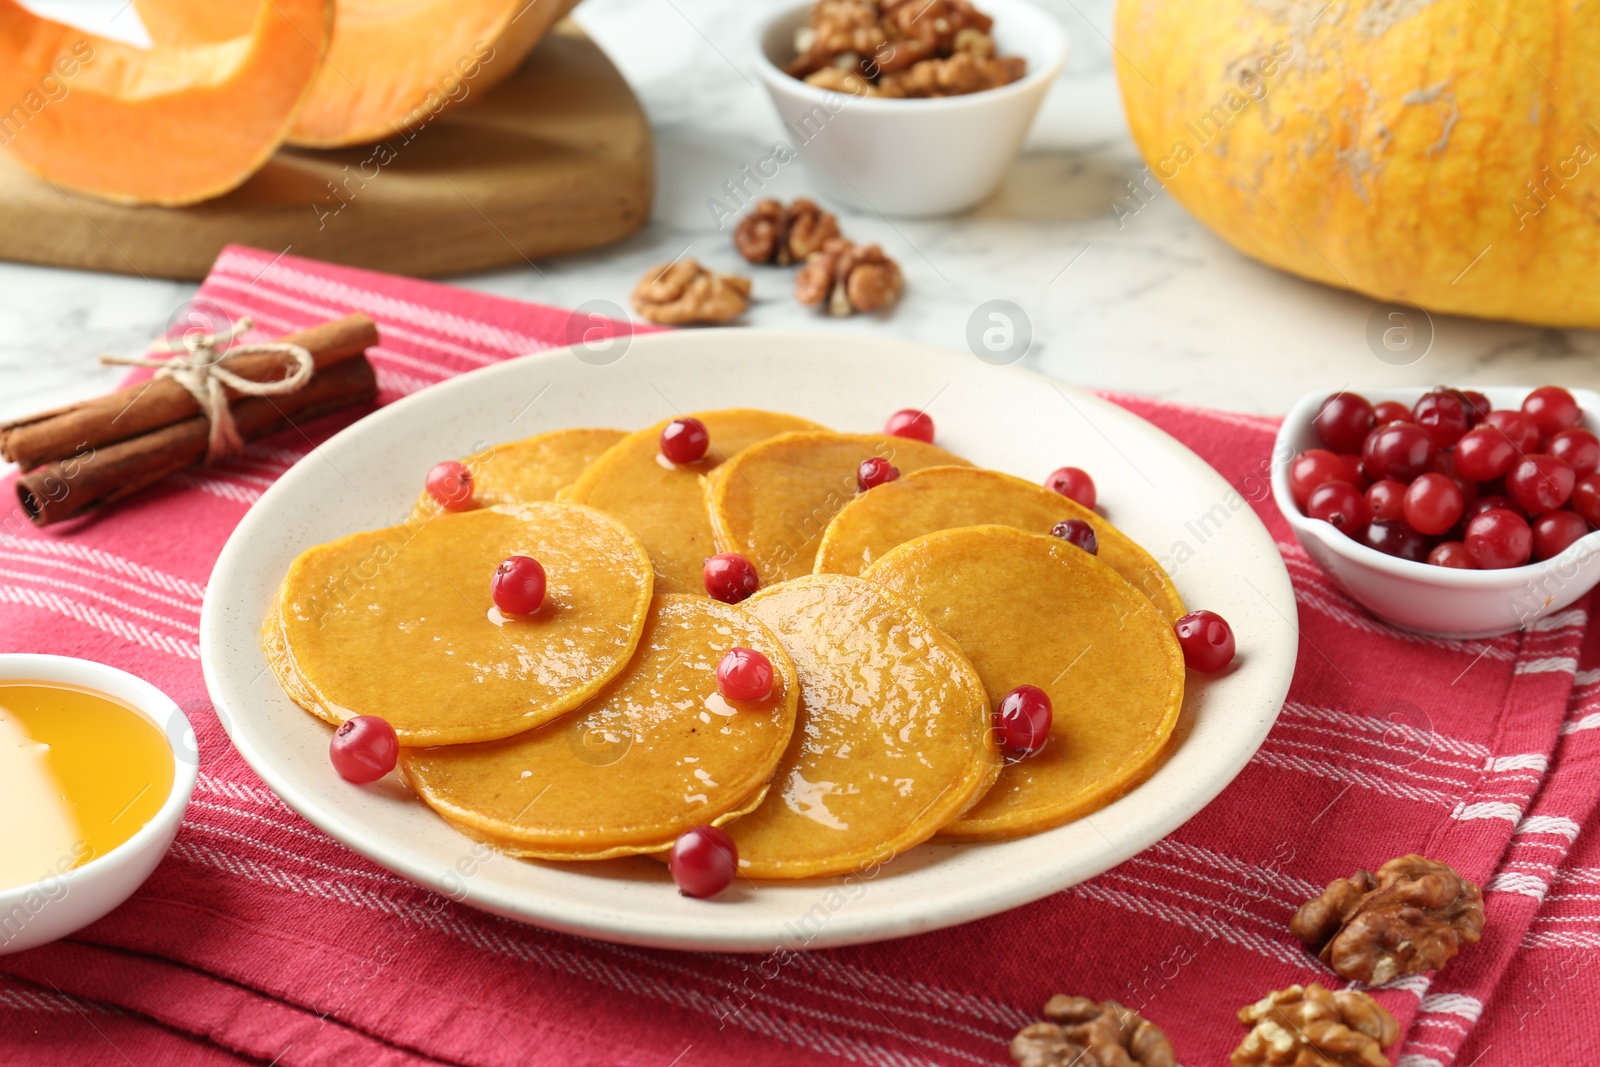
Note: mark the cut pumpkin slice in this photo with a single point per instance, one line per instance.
(191, 22)
(393, 64)
(156, 126)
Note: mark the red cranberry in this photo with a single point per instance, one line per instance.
(1519, 428)
(1555, 531)
(1553, 409)
(1478, 406)
(909, 422)
(518, 586)
(1484, 453)
(1586, 498)
(1341, 505)
(1452, 554)
(1399, 451)
(729, 577)
(1312, 468)
(1023, 719)
(1387, 411)
(1443, 415)
(1499, 538)
(1358, 473)
(450, 485)
(1072, 483)
(364, 749)
(1433, 504)
(1395, 538)
(1077, 532)
(1445, 464)
(1343, 421)
(873, 472)
(1489, 503)
(1579, 447)
(1386, 499)
(1206, 640)
(703, 861)
(744, 674)
(1540, 483)
(684, 440)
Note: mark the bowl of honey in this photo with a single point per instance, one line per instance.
(96, 770)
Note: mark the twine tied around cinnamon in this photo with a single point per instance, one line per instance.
(202, 372)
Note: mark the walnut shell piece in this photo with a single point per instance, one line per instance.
(1310, 1026)
(1414, 915)
(683, 292)
(849, 278)
(772, 233)
(1078, 1032)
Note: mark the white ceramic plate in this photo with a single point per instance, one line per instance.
(1151, 486)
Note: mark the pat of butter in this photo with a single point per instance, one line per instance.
(41, 829)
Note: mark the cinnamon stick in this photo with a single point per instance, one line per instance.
(71, 486)
(139, 409)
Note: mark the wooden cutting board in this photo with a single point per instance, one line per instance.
(555, 159)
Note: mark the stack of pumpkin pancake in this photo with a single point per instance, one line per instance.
(894, 619)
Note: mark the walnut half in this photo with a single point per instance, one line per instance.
(837, 29)
(772, 233)
(901, 48)
(1312, 1027)
(849, 278)
(1077, 1032)
(957, 75)
(683, 292)
(1412, 916)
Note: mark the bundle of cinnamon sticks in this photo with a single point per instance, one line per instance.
(81, 456)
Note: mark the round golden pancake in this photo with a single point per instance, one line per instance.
(400, 623)
(1031, 609)
(540, 851)
(893, 739)
(944, 498)
(772, 501)
(654, 753)
(519, 472)
(663, 502)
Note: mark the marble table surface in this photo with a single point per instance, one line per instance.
(1153, 303)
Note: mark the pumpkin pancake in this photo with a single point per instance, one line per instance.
(400, 622)
(656, 752)
(663, 502)
(893, 739)
(772, 501)
(535, 468)
(943, 498)
(1031, 609)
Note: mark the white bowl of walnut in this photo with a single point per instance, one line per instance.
(909, 107)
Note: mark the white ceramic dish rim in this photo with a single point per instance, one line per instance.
(1298, 423)
(1057, 48)
(723, 928)
(41, 667)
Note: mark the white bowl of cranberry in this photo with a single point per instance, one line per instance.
(1457, 513)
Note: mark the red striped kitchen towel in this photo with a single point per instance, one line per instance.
(262, 940)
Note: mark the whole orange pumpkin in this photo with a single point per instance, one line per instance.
(1443, 153)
